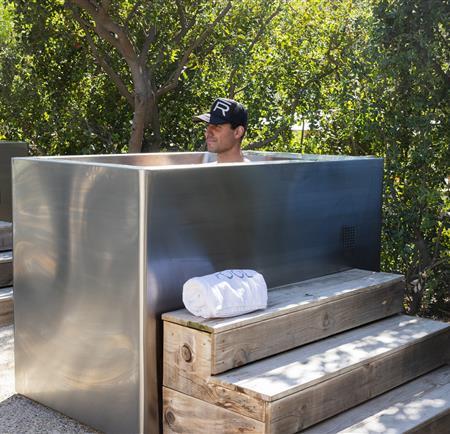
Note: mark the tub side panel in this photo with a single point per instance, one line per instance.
(291, 222)
(76, 290)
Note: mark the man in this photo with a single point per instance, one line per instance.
(227, 124)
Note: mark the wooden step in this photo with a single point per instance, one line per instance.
(6, 268)
(5, 236)
(298, 388)
(6, 306)
(420, 406)
(296, 314)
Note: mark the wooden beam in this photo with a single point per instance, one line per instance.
(314, 404)
(6, 306)
(185, 414)
(187, 368)
(413, 407)
(333, 315)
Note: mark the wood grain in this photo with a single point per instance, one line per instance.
(275, 377)
(314, 404)
(332, 315)
(193, 377)
(416, 415)
(415, 403)
(188, 415)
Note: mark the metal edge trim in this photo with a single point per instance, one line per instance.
(294, 159)
(142, 289)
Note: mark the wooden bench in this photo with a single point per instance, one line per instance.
(6, 269)
(254, 373)
(5, 236)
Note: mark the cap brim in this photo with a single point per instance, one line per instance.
(206, 117)
(202, 118)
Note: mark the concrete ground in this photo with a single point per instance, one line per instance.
(19, 414)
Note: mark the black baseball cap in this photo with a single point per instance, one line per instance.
(224, 111)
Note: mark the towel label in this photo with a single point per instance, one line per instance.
(230, 274)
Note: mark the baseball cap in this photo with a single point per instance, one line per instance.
(224, 111)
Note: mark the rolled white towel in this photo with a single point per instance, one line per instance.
(226, 293)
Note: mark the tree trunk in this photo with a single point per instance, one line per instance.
(153, 143)
(146, 112)
(141, 108)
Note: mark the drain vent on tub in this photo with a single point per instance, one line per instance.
(349, 237)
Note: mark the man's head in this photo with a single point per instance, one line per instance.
(227, 124)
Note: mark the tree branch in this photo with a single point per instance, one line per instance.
(241, 89)
(261, 143)
(110, 31)
(423, 274)
(106, 5)
(173, 80)
(437, 244)
(327, 70)
(291, 110)
(123, 90)
(231, 91)
(181, 14)
(102, 133)
(185, 27)
(87, 5)
(180, 35)
(133, 12)
(149, 39)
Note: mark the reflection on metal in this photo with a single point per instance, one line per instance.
(8, 150)
(103, 245)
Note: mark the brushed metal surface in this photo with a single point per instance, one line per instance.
(197, 158)
(8, 150)
(76, 292)
(112, 226)
(140, 160)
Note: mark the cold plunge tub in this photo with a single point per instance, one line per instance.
(103, 245)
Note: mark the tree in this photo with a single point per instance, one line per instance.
(391, 100)
(158, 41)
(116, 32)
(415, 125)
(59, 90)
(51, 94)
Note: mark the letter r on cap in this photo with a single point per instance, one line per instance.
(223, 106)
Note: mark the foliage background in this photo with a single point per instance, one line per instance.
(361, 77)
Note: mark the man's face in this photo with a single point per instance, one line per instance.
(221, 138)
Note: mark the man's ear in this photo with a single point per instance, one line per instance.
(239, 132)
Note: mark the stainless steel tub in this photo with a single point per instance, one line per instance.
(103, 245)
